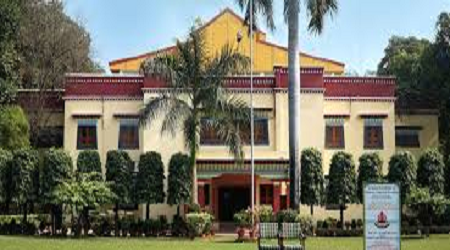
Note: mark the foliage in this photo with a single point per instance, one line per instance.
(89, 161)
(403, 170)
(447, 178)
(62, 46)
(243, 218)
(306, 223)
(430, 171)
(9, 58)
(288, 215)
(13, 128)
(311, 177)
(342, 180)
(5, 176)
(150, 180)
(370, 169)
(83, 192)
(196, 81)
(180, 180)
(24, 170)
(265, 213)
(199, 223)
(118, 175)
(56, 169)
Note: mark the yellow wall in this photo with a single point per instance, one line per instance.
(354, 128)
(428, 135)
(224, 29)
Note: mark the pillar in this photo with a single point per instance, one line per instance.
(276, 196)
(201, 194)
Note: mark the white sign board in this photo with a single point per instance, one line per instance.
(382, 216)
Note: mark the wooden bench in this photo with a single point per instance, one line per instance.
(272, 231)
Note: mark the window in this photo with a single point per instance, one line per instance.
(209, 136)
(129, 134)
(373, 133)
(407, 137)
(334, 134)
(207, 188)
(266, 194)
(87, 134)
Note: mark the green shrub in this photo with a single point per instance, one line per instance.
(5, 177)
(199, 223)
(287, 216)
(403, 170)
(265, 213)
(430, 171)
(179, 226)
(311, 177)
(180, 180)
(370, 169)
(306, 223)
(243, 218)
(89, 161)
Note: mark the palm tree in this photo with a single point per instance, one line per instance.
(197, 91)
(316, 10)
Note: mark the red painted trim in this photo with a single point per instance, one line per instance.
(373, 115)
(214, 161)
(86, 116)
(336, 115)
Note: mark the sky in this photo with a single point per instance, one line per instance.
(356, 36)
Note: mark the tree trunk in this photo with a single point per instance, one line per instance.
(193, 156)
(86, 224)
(341, 208)
(116, 220)
(312, 209)
(24, 222)
(147, 212)
(294, 104)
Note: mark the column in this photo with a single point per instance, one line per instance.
(201, 194)
(276, 196)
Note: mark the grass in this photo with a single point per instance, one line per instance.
(218, 243)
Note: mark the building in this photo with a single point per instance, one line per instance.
(354, 114)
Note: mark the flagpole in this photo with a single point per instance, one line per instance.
(252, 122)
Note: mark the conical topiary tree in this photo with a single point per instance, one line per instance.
(88, 161)
(430, 171)
(370, 169)
(341, 188)
(5, 179)
(403, 170)
(118, 175)
(179, 181)
(311, 178)
(150, 180)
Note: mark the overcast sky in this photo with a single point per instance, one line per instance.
(357, 35)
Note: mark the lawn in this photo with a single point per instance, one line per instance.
(218, 243)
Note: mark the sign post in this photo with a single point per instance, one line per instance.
(382, 216)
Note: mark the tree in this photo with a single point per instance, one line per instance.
(312, 178)
(9, 58)
(370, 169)
(150, 180)
(179, 181)
(88, 161)
(316, 11)
(425, 205)
(62, 45)
(13, 128)
(430, 172)
(196, 82)
(403, 170)
(118, 175)
(447, 178)
(24, 169)
(56, 168)
(341, 188)
(81, 192)
(5, 179)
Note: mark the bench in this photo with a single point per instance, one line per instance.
(272, 231)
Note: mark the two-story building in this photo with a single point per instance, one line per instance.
(353, 114)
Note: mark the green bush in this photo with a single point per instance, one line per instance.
(243, 218)
(89, 161)
(341, 188)
(5, 177)
(199, 223)
(370, 169)
(179, 226)
(403, 170)
(287, 216)
(306, 223)
(430, 171)
(180, 179)
(14, 128)
(311, 177)
(265, 213)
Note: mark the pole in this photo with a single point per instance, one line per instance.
(252, 136)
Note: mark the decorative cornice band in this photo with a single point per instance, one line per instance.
(103, 98)
(361, 99)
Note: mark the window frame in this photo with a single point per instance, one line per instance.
(372, 125)
(415, 129)
(337, 127)
(87, 126)
(131, 124)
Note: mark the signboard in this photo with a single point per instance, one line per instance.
(382, 216)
